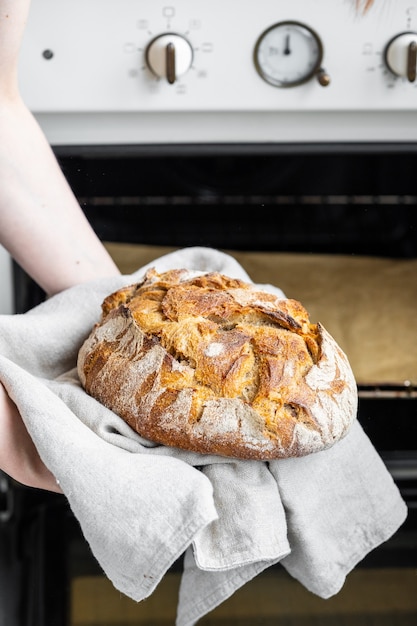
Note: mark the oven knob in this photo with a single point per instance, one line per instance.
(401, 55)
(169, 56)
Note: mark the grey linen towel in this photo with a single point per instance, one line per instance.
(140, 505)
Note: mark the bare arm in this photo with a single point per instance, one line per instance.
(41, 222)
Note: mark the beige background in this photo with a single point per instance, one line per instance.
(368, 304)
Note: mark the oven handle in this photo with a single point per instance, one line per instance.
(401, 469)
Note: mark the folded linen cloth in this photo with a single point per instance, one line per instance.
(141, 505)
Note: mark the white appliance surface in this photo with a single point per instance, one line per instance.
(86, 71)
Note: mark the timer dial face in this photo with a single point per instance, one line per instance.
(288, 54)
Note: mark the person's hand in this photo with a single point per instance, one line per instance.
(18, 455)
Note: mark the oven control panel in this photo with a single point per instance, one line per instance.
(149, 57)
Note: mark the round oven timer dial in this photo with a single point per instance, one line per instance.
(289, 54)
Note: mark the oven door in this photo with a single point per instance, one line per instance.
(335, 227)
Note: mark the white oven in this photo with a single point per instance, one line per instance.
(146, 72)
(283, 131)
(101, 73)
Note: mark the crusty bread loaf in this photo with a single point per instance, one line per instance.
(209, 363)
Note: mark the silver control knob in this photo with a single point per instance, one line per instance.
(169, 56)
(401, 55)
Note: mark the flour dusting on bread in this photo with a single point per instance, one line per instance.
(209, 363)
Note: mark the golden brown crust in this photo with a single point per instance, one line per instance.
(208, 363)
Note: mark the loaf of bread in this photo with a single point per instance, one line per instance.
(209, 363)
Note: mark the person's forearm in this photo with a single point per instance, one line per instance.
(18, 455)
(41, 222)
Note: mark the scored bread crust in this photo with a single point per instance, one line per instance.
(212, 364)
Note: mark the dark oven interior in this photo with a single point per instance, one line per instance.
(287, 211)
(330, 202)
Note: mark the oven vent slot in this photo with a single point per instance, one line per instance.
(405, 391)
(249, 200)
